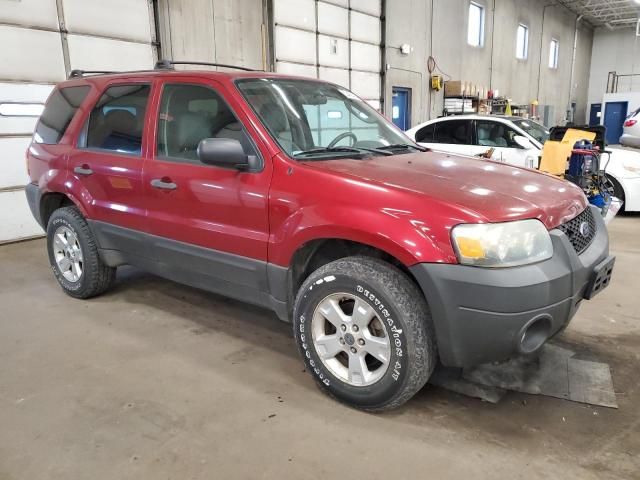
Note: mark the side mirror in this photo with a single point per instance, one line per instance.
(524, 142)
(223, 152)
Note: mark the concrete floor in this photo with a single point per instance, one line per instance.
(159, 381)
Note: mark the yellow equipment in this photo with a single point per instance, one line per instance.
(436, 82)
(555, 154)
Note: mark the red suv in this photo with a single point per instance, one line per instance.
(296, 195)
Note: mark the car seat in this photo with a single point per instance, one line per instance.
(276, 120)
(190, 128)
(497, 136)
(484, 134)
(120, 132)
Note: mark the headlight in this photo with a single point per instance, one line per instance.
(502, 244)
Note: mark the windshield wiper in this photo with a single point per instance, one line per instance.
(324, 150)
(403, 146)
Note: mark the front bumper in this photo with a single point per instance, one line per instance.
(482, 314)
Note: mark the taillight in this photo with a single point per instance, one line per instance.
(630, 123)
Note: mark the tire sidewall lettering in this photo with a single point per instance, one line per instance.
(394, 330)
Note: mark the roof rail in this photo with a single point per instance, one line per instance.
(82, 73)
(169, 64)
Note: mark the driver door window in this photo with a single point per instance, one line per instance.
(495, 134)
(501, 138)
(191, 113)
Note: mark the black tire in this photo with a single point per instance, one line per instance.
(618, 191)
(402, 308)
(96, 277)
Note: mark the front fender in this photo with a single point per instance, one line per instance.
(397, 233)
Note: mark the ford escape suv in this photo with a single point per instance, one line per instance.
(295, 195)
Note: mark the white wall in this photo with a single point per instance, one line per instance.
(614, 51)
(632, 98)
(439, 28)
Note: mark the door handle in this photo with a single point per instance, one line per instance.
(163, 183)
(83, 170)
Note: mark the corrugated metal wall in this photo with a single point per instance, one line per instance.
(40, 42)
(336, 40)
(222, 31)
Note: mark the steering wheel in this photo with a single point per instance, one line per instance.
(342, 136)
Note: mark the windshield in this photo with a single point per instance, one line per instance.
(320, 120)
(537, 131)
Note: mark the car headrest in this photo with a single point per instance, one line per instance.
(484, 133)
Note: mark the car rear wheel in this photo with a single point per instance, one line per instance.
(73, 255)
(365, 333)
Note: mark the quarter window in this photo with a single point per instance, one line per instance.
(116, 122)
(191, 113)
(456, 132)
(522, 42)
(475, 29)
(58, 113)
(554, 49)
(425, 134)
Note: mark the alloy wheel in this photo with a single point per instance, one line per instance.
(68, 253)
(351, 339)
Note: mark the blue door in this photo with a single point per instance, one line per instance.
(594, 115)
(614, 116)
(400, 108)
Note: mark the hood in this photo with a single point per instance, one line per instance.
(491, 191)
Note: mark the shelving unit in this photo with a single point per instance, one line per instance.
(464, 99)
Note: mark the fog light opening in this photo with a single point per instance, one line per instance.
(535, 334)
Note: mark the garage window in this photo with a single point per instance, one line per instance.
(554, 49)
(56, 117)
(19, 109)
(522, 42)
(117, 120)
(475, 29)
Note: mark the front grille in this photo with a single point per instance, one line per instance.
(572, 229)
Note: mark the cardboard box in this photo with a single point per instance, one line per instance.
(455, 88)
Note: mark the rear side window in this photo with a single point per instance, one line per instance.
(425, 134)
(117, 121)
(58, 113)
(453, 131)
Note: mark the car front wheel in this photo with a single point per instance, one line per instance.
(365, 333)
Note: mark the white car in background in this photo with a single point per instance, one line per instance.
(631, 133)
(519, 141)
